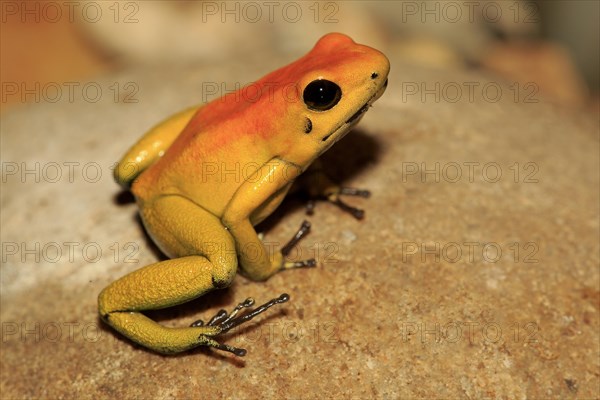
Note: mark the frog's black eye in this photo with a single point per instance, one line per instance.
(321, 95)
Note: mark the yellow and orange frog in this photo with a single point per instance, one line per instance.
(205, 222)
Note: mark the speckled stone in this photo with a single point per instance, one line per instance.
(478, 285)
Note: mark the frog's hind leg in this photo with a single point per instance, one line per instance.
(208, 261)
(143, 330)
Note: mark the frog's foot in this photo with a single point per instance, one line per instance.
(333, 196)
(285, 250)
(226, 322)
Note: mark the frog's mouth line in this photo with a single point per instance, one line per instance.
(354, 118)
(360, 111)
(357, 114)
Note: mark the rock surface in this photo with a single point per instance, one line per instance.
(473, 275)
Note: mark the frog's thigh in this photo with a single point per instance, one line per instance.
(171, 282)
(207, 259)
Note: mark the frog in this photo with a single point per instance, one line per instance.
(206, 176)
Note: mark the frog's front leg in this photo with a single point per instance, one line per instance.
(255, 260)
(320, 186)
(260, 188)
(207, 261)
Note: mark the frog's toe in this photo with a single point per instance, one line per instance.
(356, 212)
(311, 262)
(226, 322)
(333, 196)
(207, 341)
(222, 316)
(300, 233)
(349, 191)
(232, 320)
(285, 250)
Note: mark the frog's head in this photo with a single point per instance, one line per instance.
(335, 84)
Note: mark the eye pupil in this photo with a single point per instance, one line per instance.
(322, 95)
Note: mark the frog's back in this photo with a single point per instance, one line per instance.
(223, 145)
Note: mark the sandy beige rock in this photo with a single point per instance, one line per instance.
(513, 315)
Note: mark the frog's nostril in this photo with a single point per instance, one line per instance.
(374, 75)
